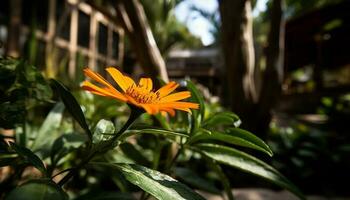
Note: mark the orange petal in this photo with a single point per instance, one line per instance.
(94, 89)
(102, 91)
(95, 76)
(146, 83)
(169, 110)
(132, 100)
(176, 96)
(154, 108)
(167, 89)
(123, 81)
(176, 105)
(147, 109)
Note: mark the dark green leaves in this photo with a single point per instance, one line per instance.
(66, 144)
(152, 131)
(234, 136)
(21, 87)
(222, 118)
(72, 106)
(106, 195)
(30, 157)
(247, 163)
(193, 179)
(131, 152)
(51, 123)
(38, 190)
(159, 185)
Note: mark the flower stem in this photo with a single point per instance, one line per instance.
(135, 113)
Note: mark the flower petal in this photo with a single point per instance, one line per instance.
(167, 89)
(176, 105)
(146, 83)
(154, 108)
(147, 109)
(176, 96)
(169, 110)
(123, 81)
(185, 109)
(102, 91)
(97, 77)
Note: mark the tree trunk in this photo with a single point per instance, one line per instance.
(135, 24)
(14, 29)
(238, 50)
(273, 75)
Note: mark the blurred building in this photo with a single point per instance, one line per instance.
(60, 34)
(203, 65)
(317, 62)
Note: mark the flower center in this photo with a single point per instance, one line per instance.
(142, 95)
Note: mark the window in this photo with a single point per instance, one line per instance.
(102, 39)
(62, 20)
(115, 47)
(83, 29)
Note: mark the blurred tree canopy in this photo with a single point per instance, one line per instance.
(168, 31)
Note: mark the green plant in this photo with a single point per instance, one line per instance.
(77, 155)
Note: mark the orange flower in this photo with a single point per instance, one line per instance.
(142, 94)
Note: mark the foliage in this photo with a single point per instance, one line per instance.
(298, 7)
(315, 154)
(93, 148)
(21, 88)
(168, 31)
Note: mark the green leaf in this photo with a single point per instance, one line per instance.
(66, 144)
(103, 126)
(247, 163)
(151, 131)
(39, 190)
(105, 195)
(223, 118)
(72, 106)
(235, 136)
(159, 185)
(197, 116)
(196, 96)
(193, 179)
(131, 152)
(52, 122)
(223, 178)
(29, 156)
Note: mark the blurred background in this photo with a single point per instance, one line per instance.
(282, 65)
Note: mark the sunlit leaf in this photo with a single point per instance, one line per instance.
(102, 127)
(247, 163)
(159, 185)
